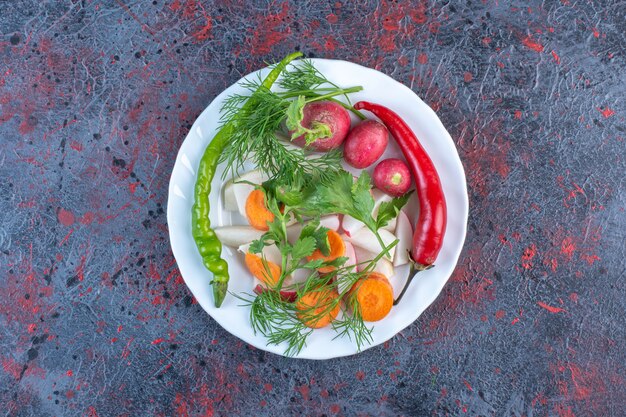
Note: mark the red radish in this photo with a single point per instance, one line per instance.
(330, 114)
(392, 176)
(288, 296)
(365, 143)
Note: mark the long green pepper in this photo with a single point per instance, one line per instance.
(208, 244)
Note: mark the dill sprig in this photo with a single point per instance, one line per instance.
(276, 319)
(255, 136)
(352, 325)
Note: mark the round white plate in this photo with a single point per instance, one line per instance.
(378, 88)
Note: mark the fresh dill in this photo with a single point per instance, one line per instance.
(257, 127)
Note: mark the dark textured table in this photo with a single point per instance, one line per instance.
(97, 96)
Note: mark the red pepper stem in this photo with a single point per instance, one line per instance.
(415, 269)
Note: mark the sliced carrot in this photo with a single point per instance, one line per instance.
(256, 211)
(374, 296)
(337, 249)
(269, 275)
(318, 308)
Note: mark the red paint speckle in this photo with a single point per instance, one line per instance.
(66, 217)
(360, 375)
(271, 30)
(332, 18)
(568, 247)
(532, 44)
(606, 112)
(518, 114)
(422, 58)
(551, 309)
(330, 44)
(70, 373)
(87, 218)
(77, 146)
(467, 384)
(596, 33)
(304, 391)
(467, 77)
(157, 341)
(556, 57)
(500, 314)
(528, 255)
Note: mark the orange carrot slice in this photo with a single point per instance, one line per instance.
(337, 249)
(373, 296)
(269, 275)
(315, 309)
(256, 211)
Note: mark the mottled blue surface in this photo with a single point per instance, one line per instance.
(97, 96)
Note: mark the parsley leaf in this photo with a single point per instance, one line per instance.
(302, 248)
(341, 194)
(257, 245)
(313, 265)
(363, 200)
(388, 210)
(319, 233)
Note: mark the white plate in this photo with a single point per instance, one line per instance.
(378, 88)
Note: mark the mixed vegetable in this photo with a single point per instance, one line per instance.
(320, 243)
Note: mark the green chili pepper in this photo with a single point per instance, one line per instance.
(208, 244)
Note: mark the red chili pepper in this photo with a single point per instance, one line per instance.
(430, 226)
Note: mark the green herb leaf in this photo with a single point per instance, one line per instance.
(295, 114)
(388, 210)
(333, 195)
(257, 245)
(337, 262)
(302, 248)
(319, 233)
(313, 265)
(363, 200)
(321, 240)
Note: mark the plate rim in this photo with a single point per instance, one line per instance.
(455, 255)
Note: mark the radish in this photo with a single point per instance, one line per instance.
(362, 257)
(237, 235)
(351, 255)
(392, 176)
(237, 190)
(351, 262)
(365, 143)
(324, 113)
(350, 225)
(366, 239)
(299, 276)
(288, 296)
(230, 201)
(404, 233)
(382, 265)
